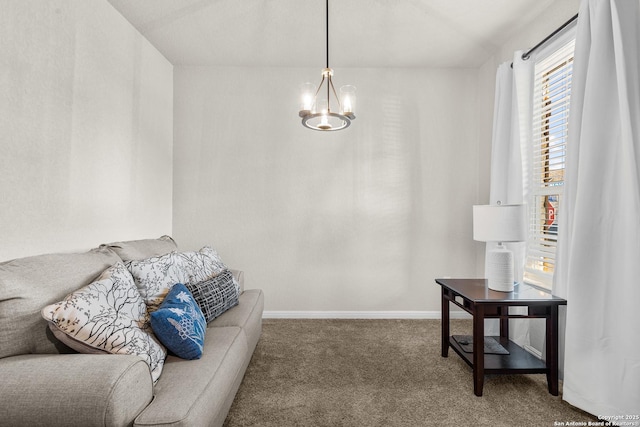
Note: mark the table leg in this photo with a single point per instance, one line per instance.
(552, 350)
(504, 321)
(445, 324)
(478, 349)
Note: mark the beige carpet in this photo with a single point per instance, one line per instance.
(381, 373)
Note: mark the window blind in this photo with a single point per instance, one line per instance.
(551, 98)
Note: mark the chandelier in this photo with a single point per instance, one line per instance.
(318, 110)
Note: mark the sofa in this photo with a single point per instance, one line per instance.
(45, 382)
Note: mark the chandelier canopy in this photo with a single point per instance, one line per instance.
(318, 110)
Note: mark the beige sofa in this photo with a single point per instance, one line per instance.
(45, 383)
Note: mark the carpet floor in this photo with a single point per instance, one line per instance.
(334, 372)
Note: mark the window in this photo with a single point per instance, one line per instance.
(551, 95)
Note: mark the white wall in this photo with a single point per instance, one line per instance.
(358, 220)
(85, 127)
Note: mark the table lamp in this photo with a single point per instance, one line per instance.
(500, 223)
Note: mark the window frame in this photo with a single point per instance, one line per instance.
(547, 155)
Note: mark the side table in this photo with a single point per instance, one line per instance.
(474, 296)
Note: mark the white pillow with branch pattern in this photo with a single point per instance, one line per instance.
(109, 316)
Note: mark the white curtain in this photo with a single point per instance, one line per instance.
(598, 265)
(509, 159)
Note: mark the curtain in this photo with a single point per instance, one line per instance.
(510, 148)
(598, 260)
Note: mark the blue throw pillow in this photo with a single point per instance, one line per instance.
(179, 323)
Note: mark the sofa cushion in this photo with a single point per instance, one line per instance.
(247, 315)
(141, 249)
(200, 392)
(73, 390)
(28, 284)
(216, 295)
(109, 315)
(179, 323)
(156, 275)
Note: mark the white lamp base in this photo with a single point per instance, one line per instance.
(500, 269)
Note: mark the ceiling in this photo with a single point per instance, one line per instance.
(363, 33)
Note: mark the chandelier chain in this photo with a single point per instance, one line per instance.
(327, 34)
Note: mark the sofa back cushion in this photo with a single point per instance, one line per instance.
(142, 249)
(29, 284)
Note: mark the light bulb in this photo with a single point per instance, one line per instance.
(324, 122)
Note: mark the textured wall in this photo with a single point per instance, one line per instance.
(86, 128)
(358, 220)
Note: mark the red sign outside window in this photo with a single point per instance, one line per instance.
(551, 214)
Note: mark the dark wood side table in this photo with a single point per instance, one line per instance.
(473, 296)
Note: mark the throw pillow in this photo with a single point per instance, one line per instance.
(215, 295)
(201, 265)
(212, 264)
(108, 315)
(179, 323)
(155, 276)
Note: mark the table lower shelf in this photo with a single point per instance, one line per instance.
(517, 361)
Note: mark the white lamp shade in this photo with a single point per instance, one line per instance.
(348, 99)
(500, 223)
(307, 96)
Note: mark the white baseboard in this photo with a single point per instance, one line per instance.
(361, 315)
(534, 351)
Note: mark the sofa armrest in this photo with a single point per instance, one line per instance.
(73, 389)
(239, 276)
